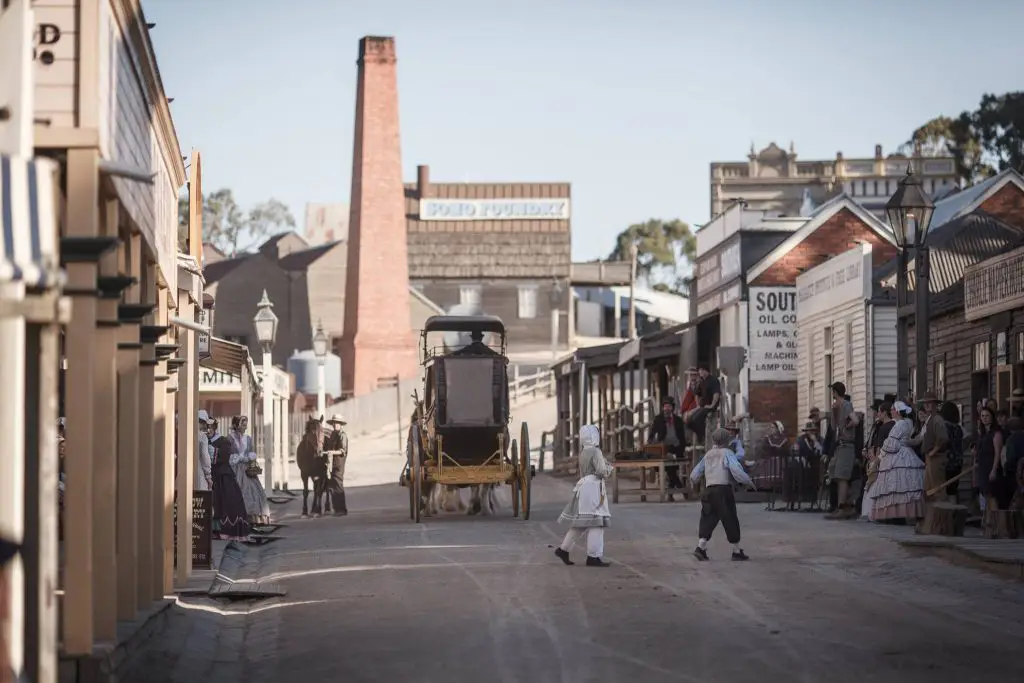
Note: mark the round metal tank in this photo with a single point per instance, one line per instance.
(303, 365)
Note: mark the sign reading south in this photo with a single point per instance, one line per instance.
(494, 209)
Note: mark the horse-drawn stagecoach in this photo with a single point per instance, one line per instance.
(459, 434)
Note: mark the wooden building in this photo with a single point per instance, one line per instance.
(497, 248)
(976, 337)
(846, 332)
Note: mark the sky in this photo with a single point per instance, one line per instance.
(627, 100)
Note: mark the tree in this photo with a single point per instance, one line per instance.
(664, 249)
(232, 230)
(981, 142)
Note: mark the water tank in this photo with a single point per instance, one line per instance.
(303, 365)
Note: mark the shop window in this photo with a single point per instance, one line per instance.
(1020, 347)
(939, 377)
(980, 357)
(469, 297)
(1002, 352)
(528, 301)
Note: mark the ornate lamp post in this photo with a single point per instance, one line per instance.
(320, 350)
(265, 323)
(910, 212)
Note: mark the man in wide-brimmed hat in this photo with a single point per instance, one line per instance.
(932, 442)
(1017, 403)
(337, 442)
(736, 445)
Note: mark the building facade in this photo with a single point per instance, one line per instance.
(500, 249)
(846, 332)
(775, 180)
(325, 223)
(976, 325)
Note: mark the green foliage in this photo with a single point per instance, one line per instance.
(664, 250)
(982, 142)
(232, 230)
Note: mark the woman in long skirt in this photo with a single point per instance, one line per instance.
(228, 506)
(898, 491)
(587, 513)
(248, 473)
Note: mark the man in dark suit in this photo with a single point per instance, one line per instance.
(667, 428)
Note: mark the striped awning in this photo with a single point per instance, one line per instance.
(28, 217)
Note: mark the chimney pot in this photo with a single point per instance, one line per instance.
(422, 181)
(878, 151)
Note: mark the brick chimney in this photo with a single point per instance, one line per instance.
(422, 182)
(378, 341)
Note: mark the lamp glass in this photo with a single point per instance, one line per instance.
(266, 326)
(320, 342)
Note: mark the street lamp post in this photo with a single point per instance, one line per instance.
(320, 350)
(266, 330)
(910, 212)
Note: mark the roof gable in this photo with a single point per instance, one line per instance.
(969, 200)
(817, 219)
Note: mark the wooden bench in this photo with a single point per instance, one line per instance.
(654, 464)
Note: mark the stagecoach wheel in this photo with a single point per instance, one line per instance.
(525, 480)
(415, 474)
(515, 478)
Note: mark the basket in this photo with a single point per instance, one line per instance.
(253, 470)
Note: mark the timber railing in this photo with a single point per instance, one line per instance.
(541, 383)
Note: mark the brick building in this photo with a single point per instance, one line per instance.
(496, 248)
(749, 299)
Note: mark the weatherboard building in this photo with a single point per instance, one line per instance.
(497, 248)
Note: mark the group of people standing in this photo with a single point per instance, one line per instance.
(226, 465)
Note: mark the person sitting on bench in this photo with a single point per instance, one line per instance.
(667, 429)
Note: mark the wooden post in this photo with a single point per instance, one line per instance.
(147, 454)
(128, 447)
(104, 492)
(167, 492)
(186, 409)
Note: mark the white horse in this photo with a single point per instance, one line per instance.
(483, 500)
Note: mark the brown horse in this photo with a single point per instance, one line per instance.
(313, 465)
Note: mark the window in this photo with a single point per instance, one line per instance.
(848, 348)
(1020, 347)
(527, 301)
(980, 360)
(939, 375)
(913, 383)
(469, 296)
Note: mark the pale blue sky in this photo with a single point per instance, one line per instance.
(628, 100)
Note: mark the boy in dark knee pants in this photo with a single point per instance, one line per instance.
(720, 469)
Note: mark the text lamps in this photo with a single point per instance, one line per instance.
(910, 212)
(265, 322)
(320, 342)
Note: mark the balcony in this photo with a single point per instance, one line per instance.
(994, 285)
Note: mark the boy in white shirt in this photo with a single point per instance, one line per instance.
(720, 468)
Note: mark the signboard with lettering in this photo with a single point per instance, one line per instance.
(218, 380)
(717, 268)
(772, 326)
(202, 530)
(494, 209)
(204, 339)
(720, 299)
(836, 282)
(55, 55)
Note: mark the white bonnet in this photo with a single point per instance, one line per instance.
(590, 436)
(902, 408)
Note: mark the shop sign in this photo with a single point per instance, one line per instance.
(994, 285)
(720, 299)
(836, 282)
(55, 55)
(202, 530)
(494, 209)
(718, 268)
(204, 339)
(218, 380)
(772, 325)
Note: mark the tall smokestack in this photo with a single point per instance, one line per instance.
(377, 342)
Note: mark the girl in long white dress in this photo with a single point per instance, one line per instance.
(587, 513)
(898, 491)
(255, 497)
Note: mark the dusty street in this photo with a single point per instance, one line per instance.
(373, 597)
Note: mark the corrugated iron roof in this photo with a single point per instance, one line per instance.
(948, 208)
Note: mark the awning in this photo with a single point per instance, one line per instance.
(230, 357)
(28, 218)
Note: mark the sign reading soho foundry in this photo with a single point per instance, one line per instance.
(772, 325)
(493, 209)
